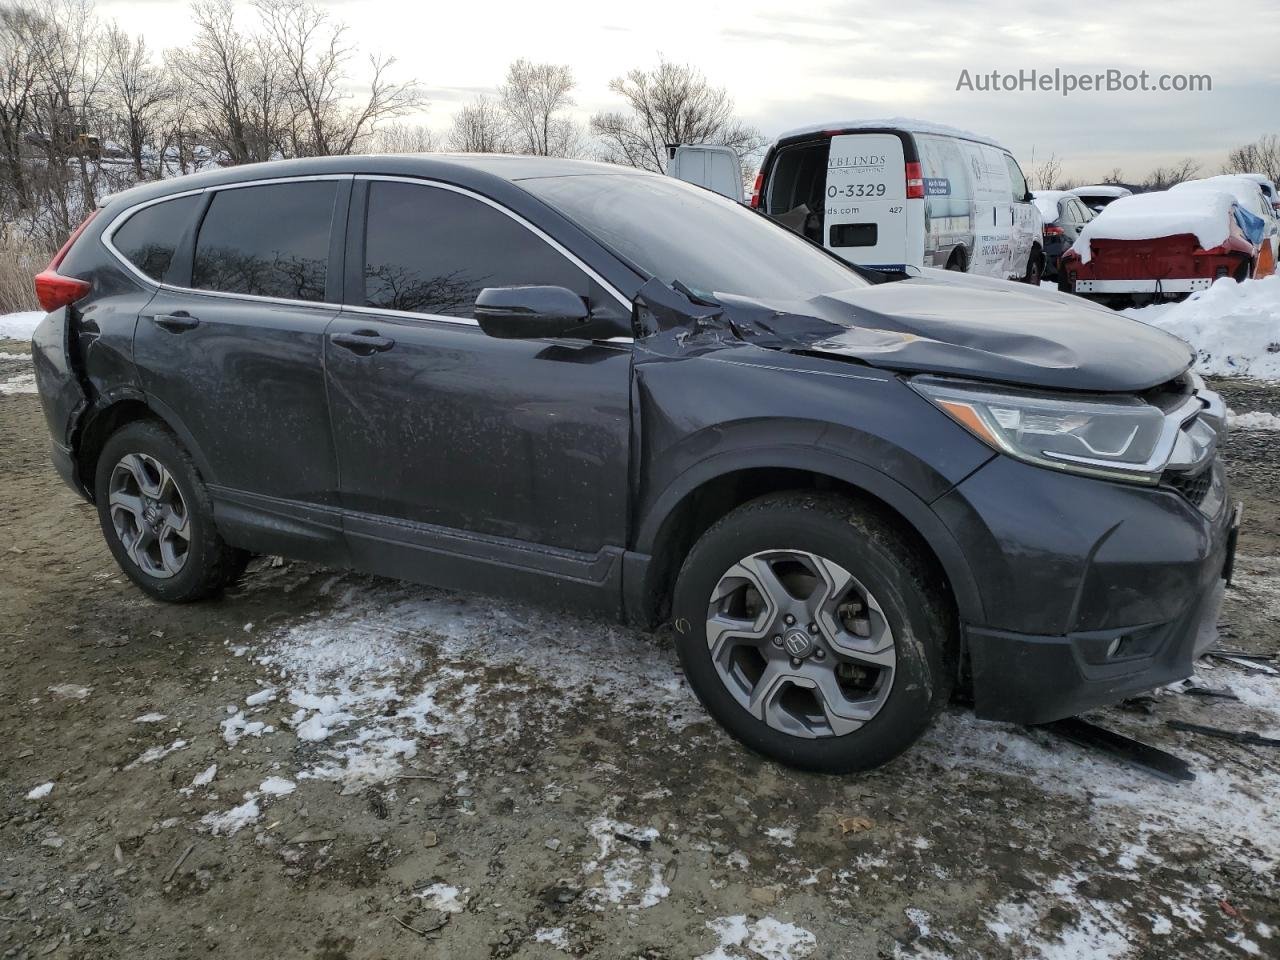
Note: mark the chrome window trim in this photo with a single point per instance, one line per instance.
(119, 220)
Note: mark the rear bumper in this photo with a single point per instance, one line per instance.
(1167, 285)
(1037, 679)
(64, 462)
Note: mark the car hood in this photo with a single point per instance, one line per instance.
(978, 328)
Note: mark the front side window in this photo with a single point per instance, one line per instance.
(1016, 180)
(430, 250)
(149, 238)
(673, 230)
(268, 241)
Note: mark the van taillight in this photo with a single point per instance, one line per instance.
(755, 190)
(915, 182)
(53, 290)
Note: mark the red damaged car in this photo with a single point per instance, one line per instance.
(1163, 246)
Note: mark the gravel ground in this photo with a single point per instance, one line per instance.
(328, 765)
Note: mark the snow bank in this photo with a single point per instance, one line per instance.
(19, 326)
(1147, 216)
(1233, 327)
(1100, 190)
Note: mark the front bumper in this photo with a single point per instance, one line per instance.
(1092, 591)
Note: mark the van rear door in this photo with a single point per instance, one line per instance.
(705, 165)
(866, 208)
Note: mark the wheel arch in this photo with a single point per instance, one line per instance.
(707, 492)
(112, 413)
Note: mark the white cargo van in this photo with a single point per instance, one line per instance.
(898, 193)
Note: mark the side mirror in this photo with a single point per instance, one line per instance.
(529, 313)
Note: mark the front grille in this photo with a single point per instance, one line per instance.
(1195, 487)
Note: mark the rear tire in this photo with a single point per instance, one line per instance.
(878, 669)
(157, 516)
(1035, 268)
(958, 261)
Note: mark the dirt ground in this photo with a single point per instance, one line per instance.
(328, 765)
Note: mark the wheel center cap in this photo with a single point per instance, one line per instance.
(798, 643)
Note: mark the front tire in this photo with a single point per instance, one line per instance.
(810, 627)
(157, 516)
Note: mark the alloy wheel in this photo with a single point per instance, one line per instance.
(149, 515)
(800, 643)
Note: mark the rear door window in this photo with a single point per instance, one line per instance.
(267, 241)
(430, 250)
(149, 238)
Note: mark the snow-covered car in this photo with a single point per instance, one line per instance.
(1098, 195)
(1163, 246)
(1251, 196)
(1269, 189)
(1064, 215)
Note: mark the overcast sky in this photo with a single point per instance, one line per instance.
(788, 64)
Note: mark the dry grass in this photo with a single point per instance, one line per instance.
(20, 260)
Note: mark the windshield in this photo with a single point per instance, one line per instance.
(672, 230)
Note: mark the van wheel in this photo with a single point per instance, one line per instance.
(157, 516)
(958, 261)
(811, 629)
(1035, 267)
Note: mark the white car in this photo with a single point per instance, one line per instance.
(901, 194)
(1098, 195)
(1268, 189)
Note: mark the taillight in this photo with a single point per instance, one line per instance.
(755, 190)
(915, 182)
(53, 290)
(1052, 230)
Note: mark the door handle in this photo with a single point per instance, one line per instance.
(364, 342)
(175, 322)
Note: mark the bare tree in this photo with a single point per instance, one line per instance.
(672, 103)
(403, 138)
(1116, 176)
(1047, 174)
(19, 87)
(137, 91)
(1262, 156)
(534, 99)
(1162, 178)
(66, 112)
(236, 91)
(314, 55)
(479, 127)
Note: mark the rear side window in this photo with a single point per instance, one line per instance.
(149, 237)
(268, 241)
(429, 250)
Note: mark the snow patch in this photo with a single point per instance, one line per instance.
(1253, 421)
(20, 326)
(555, 936)
(277, 787)
(19, 383)
(441, 896)
(768, 938)
(236, 727)
(40, 792)
(151, 718)
(156, 753)
(232, 821)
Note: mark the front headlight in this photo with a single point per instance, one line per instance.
(1121, 438)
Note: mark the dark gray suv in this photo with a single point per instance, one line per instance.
(609, 390)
